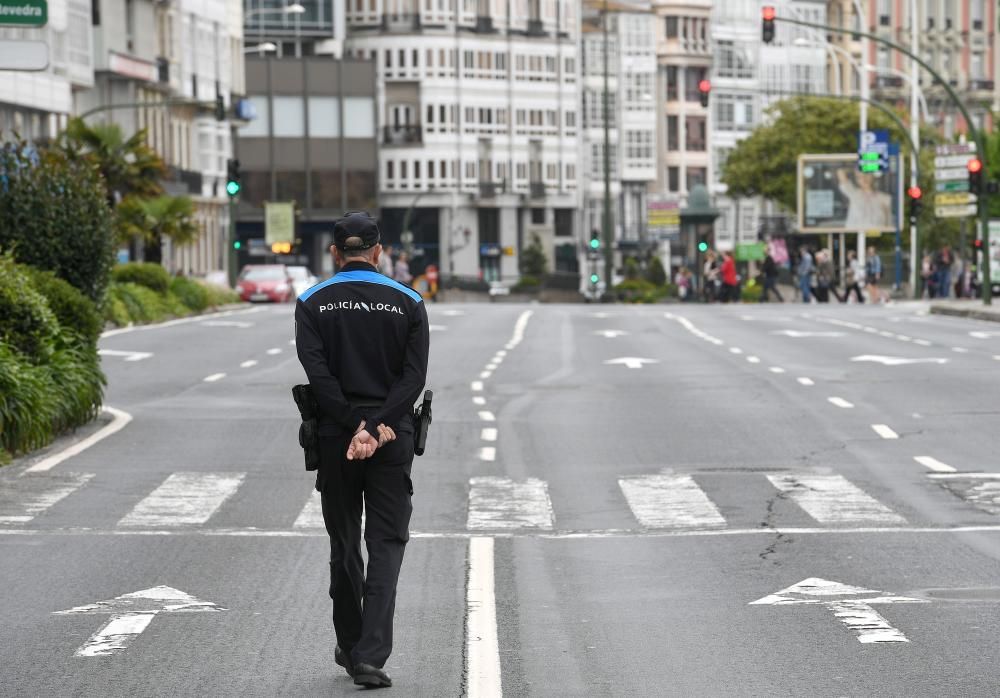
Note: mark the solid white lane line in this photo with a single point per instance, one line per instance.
(488, 434)
(690, 327)
(311, 515)
(226, 323)
(753, 359)
(479, 400)
(670, 501)
(502, 503)
(488, 453)
(178, 321)
(36, 493)
(274, 352)
(884, 431)
(934, 464)
(476, 386)
(776, 369)
(184, 499)
(250, 363)
(840, 402)
(735, 350)
(214, 377)
(482, 646)
(120, 421)
(964, 476)
(805, 381)
(487, 416)
(833, 499)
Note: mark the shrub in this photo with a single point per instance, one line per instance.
(54, 215)
(655, 273)
(141, 304)
(533, 259)
(147, 274)
(751, 292)
(74, 311)
(631, 269)
(192, 294)
(26, 322)
(220, 296)
(528, 284)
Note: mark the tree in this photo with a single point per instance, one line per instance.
(655, 273)
(533, 260)
(152, 220)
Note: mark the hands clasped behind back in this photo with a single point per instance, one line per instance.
(363, 445)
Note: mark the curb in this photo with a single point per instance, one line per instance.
(988, 315)
(221, 311)
(74, 442)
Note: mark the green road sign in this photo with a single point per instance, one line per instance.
(751, 251)
(24, 13)
(952, 185)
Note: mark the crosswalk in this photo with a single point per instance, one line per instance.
(662, 501)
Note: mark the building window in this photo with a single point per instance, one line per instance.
(949, 14)
(673, 179)
(289, 117)
(976, 65)
(390, 170)
(930, 7)
(734, 112)
(884, 12)
(538, 216)
(672, 90)
(732, 61)
(695, 133)
(977, 10)
(359, 117)
(692, 76)
(324, 117)
(696, 176)
(671, 27)
(673, 134)
(639, 147)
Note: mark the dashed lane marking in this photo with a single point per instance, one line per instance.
(840, 402)
(487, 416)
(735, 350)
(479, 400)
(884, 431)
(488, 434)
(214, 377)
(485, 374)
(250, 363)
(805, 381)
(273, 352)
(934, 464)
(753, 359)
(776, 369)
(488, 454)
(476, 386)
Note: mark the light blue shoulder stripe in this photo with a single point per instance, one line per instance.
(365, 277)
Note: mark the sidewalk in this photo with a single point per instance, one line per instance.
(971, 308)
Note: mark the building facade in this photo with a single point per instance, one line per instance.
(631, 135)
(36, 105)
(478, 121)
(173, 60)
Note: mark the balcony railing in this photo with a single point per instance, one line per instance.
(978, 85)
(536, 190)
(888, 81)
(402, 135)
(484, 25)
(400, 22)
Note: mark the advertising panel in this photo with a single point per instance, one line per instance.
(834, 197)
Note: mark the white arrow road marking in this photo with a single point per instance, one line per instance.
(437, 328)
(894, 360)
(630, 361)
(128, 355)
(832, 499)
(690, 327)
(184, 499)
(979, 334)
(884, 431)
(24, 498)
(934, 464)
(226, 323)
(611, 334)
(798, 334)
(131, 614)
(670, 501)
(482, 645)
(856, 613)
(502, 503)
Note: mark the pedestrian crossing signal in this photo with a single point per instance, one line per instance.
(594, 278)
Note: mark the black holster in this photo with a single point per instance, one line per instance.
(421, 422)
(309, 429)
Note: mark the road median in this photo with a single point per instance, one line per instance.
(967, 309)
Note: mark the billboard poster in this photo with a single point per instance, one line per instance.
(834, 197)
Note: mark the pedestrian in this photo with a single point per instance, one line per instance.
(928, 276)
(805, 272)
(710, 277)
(682, 279)
(853, 276)
(401, 270)
(873, 275)
(769, 272)
(826, 276)
(730, 279)
(363, 341)
(942, 263)
(385, 261)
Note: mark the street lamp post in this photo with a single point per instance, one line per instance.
(608, 231)
(294, 9)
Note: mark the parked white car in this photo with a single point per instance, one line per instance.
(302, 279)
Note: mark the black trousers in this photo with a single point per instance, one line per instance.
(364, 605)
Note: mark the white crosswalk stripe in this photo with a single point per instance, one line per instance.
(184, 499)
(502, 503)
(24, 498)
(311, 515)
(670, 501)
(832, 499)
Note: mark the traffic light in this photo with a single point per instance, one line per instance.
(237, 244)
(704, 87)
(767, 15)
(281, 247)
(594, 278)
(975, 176)
(916, 202)
(233, 184)
(595, 242)
(703, 246)
(220, 108)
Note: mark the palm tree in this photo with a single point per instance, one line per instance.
(152, 220)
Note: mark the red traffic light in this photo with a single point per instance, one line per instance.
(914, 192)
(975, 165)
(768, 13)
(704, 86)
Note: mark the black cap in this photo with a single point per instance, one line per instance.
(356, 224)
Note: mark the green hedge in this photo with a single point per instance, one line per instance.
(74, 311)
(132, 303)
(147, 274)
(192, 294)
(26, 322)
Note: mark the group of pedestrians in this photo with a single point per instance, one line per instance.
(944, 273)
(721, 280)
(396, 268)
(817, 276)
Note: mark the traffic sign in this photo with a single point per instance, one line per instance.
(24, 13)
(20, 54)
(955, 149)
(955, 199)
(943, 161)
(873, 150)
(952, 185)
(952, 173)
(955, 211)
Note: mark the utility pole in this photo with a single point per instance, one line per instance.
(859, 9)
(915, 138)
(608, 230)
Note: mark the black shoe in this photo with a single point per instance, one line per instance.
(343, 659)
(370, 676)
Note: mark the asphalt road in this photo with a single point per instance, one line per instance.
(607, 490)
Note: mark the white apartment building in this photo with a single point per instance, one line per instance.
(632, 69)
(36, 105)
(478, 108)
(748, 76)
(175, 58)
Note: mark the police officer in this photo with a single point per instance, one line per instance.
(363, 339)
